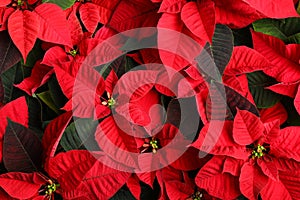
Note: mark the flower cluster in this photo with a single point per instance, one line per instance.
(149, 99)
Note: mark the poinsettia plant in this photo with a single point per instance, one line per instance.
(149, 99)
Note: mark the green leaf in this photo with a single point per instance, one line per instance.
(287, 30)
(222, 46)
(47, 99)
(35, 54)
(35, 115)
(10, 77)
(22, 149)
(78, 134)
(64, 4)
(264, 98)
(56, 93)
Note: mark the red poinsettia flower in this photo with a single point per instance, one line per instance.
(259, 147)
(44, 21)
(17, 185)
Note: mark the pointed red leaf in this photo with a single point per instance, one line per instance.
(116, 143)
(275, 189)
(252, 181)
(233, 166)
(245, 60)
(39, 76)
(247, 128)
(53, 24)
(23, 34)
(70, 168)
(290, 180)
(274, 8)
(284, 69)
(134, 187)
(269, 169)
(177, 46)
(103, 182)
(216, 183)
(129, 15)
(216, 138)
(200, 19)
(55, 56)
(89, 15)
(288, 89)
(287, 144)
(171, 6)
(147, 177)
(21, 185)
(274, 113)
(16, 111)
(75, 26)
(236, 14)
(53, 133)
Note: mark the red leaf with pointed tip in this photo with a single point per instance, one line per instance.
(75, 26)
(200, 19)
(133, 184)
(39, 76)
(252, 181)
(247, 128)
(23, 34)
(274, 113)
(133, 14)
(55, 56)
(106, 9)
(116, 143)
(245, 60)
(216, 138)
(171, 6)
(17, 111)
(274, 8)
(288, 89)
(4, 15)
(287, 144)
(103, 181)
(71, 167)
(53, 133)
(236, 14)
(177, 46)
(89, 15)
(53, 24)
(216, 183)
(21, 185)
(290, 180)
(269, 169)
(272, 48)
(233, 166)
(147, 177)
(275, 189)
